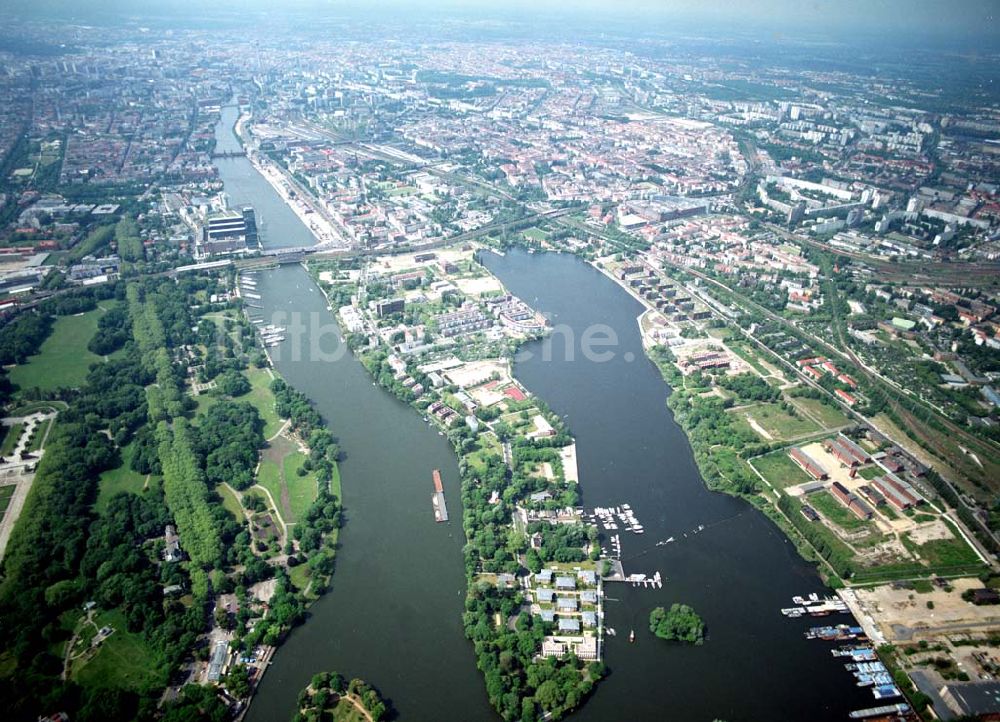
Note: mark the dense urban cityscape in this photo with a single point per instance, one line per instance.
(472, 365)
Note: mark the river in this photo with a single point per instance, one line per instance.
(393, 615)
(737, 572)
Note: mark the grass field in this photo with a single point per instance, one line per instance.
(260, 396)
(302, 490)
(346, 711)
(829, 416)
(203, 401)
(779, 423)
(13, 433)
(119, 479)
(46, 406)
(489, 445)
(834, 511)
(230, 502)
(63, 359)
(535, 234)
(269, 476)
(6, 492)
(781, 471)
(124, 660)
(299, 576)
(870, 472)
(719, 333)
(747, 355)
(944, 553)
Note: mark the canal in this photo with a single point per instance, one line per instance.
(393, 614)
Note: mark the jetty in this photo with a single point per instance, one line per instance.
(901, 708)
(641, 580)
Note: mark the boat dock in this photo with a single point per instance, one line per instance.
(610, 518)
(841, 632)
(890, 709)
(641, 580)
(815, 607)
(437, 499)
(636, 580)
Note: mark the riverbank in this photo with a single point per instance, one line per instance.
(305, 208)
(671, 374)
(716, 375)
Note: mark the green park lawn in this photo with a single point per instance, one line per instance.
(121, 478)
(347, 711)
(261, 397)
(302, 490)
(299, 576)
(488, 445)
(230, 502)
(63, 359)
(269, 477)
(6, 492)
(11, 435)
(40, 433)
(124, 660)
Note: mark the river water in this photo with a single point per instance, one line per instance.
(393, 615)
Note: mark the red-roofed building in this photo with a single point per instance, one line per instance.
(811, 361)
(809, 464)
(845, 379)
(840, 452)
(846, 397)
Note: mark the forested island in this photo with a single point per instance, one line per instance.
(679, 624)
(330, 696)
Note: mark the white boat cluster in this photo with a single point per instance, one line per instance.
(815, 606)
(248, 290)
(271, 335)
(611, 517)
(641, 580)
(616, 547)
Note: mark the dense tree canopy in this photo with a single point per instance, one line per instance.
(680, 623)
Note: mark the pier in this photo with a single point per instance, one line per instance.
(636, 580)
(641, 580)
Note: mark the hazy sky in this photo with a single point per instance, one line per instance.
(869, 17)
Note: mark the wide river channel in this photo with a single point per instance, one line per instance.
(393, 614)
